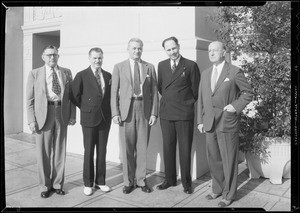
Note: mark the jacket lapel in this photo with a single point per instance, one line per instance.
(179, 70)
(127, 71)
(91, 78)
(144, 71)
(222, 76)
(42, 78)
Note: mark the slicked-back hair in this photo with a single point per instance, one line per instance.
(96, 49)
(136, 40)
(173, 38)
(50, 47)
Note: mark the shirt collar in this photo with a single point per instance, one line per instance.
(176, 61)
(219, 66)
(94, 70)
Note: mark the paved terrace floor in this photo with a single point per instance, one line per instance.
(22, 190)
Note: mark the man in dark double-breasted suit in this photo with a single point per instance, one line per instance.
(91, 93)
(178, 81)
(223, 94)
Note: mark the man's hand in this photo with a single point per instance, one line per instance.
(33, 127)
(229, 108)
(72, 121)
(117, 119)
(152, 120)
(201, 128)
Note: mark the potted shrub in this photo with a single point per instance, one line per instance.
(260, 38)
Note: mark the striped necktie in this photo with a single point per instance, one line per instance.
(173, 66)
(97, 75)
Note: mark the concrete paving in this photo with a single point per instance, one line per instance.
(22, 191)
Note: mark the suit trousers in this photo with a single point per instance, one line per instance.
(222, 154)
(95, 137)
(51, 150)
(183, 131)
(136, 129)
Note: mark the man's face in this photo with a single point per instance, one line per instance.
(96, 59)
(172, 49)
(50, 57)
(135, 50)
(216, 52)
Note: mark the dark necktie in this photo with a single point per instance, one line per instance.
(97, 75)
(136, 84)
(173, 66)
(55, 83)
(214, 79)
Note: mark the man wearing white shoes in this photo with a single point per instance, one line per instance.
(91, 93)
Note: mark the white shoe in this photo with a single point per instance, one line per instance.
(103, 188)
(88, 191)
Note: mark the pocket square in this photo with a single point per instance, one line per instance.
(183, 74)
(226, 79)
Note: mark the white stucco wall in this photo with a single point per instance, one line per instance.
(110, 28)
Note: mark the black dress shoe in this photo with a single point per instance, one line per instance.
(59, 191)
(164, 185)
(145, 188)
(128, 189)
(45, 194)
(188, 190)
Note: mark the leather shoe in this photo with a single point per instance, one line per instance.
(188, 190)
(128, 189)
(164, 186)
(45, 194)
(145, 188)
(223, 203)
(212, 196)
(59, 191)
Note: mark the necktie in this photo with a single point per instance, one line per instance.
(173, 66)
(97, 75)
(136, 86)
(55, 83)
(214, 79)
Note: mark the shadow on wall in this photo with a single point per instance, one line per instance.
(155, 154)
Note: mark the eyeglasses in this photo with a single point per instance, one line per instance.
(53, 55)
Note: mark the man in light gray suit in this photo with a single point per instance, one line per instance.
(49, 111)
(134, 106)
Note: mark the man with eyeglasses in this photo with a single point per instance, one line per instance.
(49, 112)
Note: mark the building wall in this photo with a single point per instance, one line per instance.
(13, 75)
(110, 28)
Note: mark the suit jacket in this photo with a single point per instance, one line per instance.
(87, 96)
(36, 97)
(122, 89)
(231, 88)
(179, 90)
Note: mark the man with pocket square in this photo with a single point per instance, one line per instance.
(91, 94)
(223, 94)
(178, 82)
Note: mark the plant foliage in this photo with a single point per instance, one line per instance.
(260, 37)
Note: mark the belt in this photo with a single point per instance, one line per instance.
(56, 103)
(137, 98)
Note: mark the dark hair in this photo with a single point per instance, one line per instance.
(96, 49)
(173, 38)
(49, 47)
